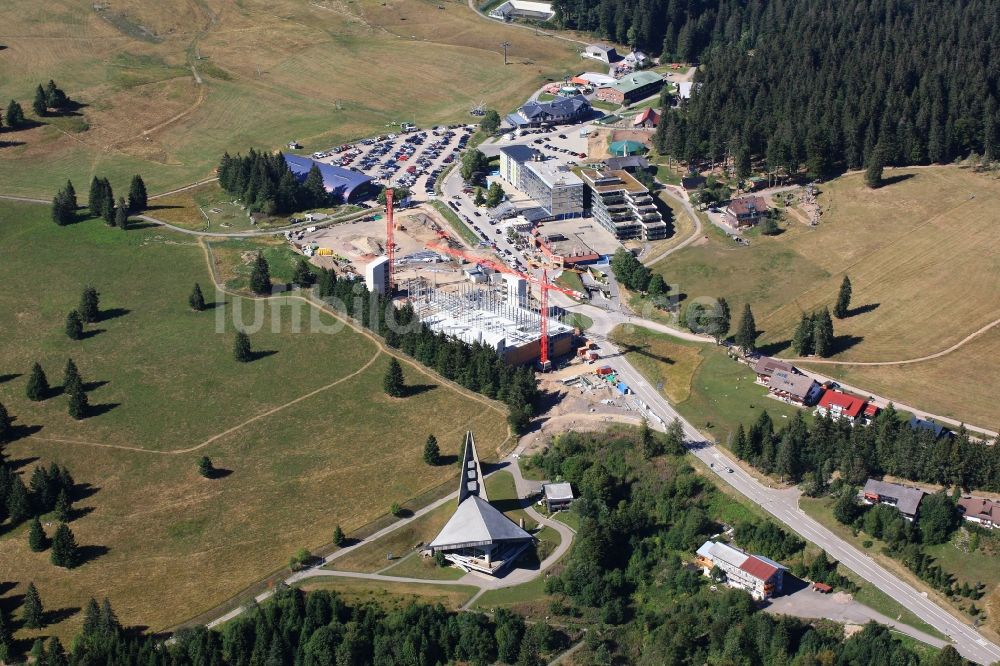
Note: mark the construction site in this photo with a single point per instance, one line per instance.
(472, 297)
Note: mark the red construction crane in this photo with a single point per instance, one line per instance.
(390, 248)
(544, 287)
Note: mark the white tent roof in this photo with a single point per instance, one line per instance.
(477, 523)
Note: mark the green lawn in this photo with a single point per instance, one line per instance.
(578, 320)
(394, 595)
(570, 280)
(570, 518)
(286, 428)
(371, 557)
(457, 225)
(415, 566)
(519, 594)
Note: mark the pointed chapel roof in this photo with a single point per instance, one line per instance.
(471, 481)
(477, 523)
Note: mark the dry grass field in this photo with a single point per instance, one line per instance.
(922, 254)
(301, 432)
(319, 71)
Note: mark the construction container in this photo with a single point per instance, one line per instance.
(623, 388)
(592, 356)
(604, 371)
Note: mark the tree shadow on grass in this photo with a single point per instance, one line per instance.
(23, 431)
(160, 207)
(264, 353)
(772, 348)
(79, 512)
(112, 313)
(897, 178)
(444, 461)
(91, 333)
(94, 385)
(643, 350)
(57, 615)
(219, 473)
(404, 513)
(88, 554)
(16, 464)
(6, 378)
(842, 343)
(863, 309)
(10, 144)
(82, 491)
(101, 409)
(417, 389)
(137, 226)
(11, 603)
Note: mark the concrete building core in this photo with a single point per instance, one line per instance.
(377, 276)
(492, 315)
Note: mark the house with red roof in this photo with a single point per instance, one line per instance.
(648, 118)
(981, 511)
(756, 574)
(838, 405)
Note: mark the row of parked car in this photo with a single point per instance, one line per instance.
(548, 146)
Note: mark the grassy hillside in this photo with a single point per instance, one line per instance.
(301, 431)
(319, 72)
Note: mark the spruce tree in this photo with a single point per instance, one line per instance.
(72, 381)
(304, 277)
(338, 536)
(39, 104)
(70, 192)
(65, 553)
(746, 332)
(78, 405)
(137, 199)
(205, 467)
(873, 172)
(32, 612)
(5, 435)
(121, 215)
(823, 333)
(64, 507)
(63, 211)
(95, 199)
(15, 115)
(91, 619)
(37, 541)
(74, 325)
(108, 213)
(55, 655)
(802, 340)
(38, 384)
(196, 300)
(90, 305)
(432, 453)
(6, 638)
(314, 187)
(260, 277)
(242, 351)
(393, 382)
(843, 306)
(18, 502)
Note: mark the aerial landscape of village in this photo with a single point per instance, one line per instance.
(583, 332)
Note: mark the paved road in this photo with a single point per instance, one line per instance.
(783, 505)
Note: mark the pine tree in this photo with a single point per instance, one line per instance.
(6, 638)
(196, 300)
(137, 198)
(843, 306)
(746, 332)
(205, 467)
(873, 172)
(32, 612)
(70, 192)
(304, 277)
(314, 187)
(121, 215)
(74, 325)
(64, 507)
(95, 199)
(55, 655)
(90, 305)
(432, 453)
(65, 552)
(648, 442)
(39, 105)
(15, 115)
(37, 541)
(823, 333)
(802, 340)
(338, 536)
(91, 619)
(78, 405)
(63, 211)
(719, 320)
(108, 213)
(72, 380)
(393, 382)
(260, 277)
(242, 351)
(5, 435)
(38, 384)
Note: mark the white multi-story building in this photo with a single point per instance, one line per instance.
(756, 574)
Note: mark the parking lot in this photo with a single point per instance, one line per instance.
(412, 159)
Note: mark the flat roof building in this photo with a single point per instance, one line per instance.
(523, 9)
(554, 187)
(623, 205)
(603, 52)
(558, 496)
(478, 537)
(377, 276)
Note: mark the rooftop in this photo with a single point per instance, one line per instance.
(748, 205)
(335, 179)
(558, 491)
(980, 508)
(627, 162)
(766, 366)
(791, 383)
(519, 153)
(907, 499)
(552, 173)
(849, 405)
(636, 80)
(608, 180)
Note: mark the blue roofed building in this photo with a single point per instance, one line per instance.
(347, 184)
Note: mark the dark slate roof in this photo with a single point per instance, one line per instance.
(534, 214)
(519, 153)
(335, 179)
(936, 428)
(630, 162)
(907, 499)
(559, 107)
(692, 182)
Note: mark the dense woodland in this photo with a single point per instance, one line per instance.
(640, 524)
(888, 446)
(475, 366)
(265, 184)
(825, 84)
